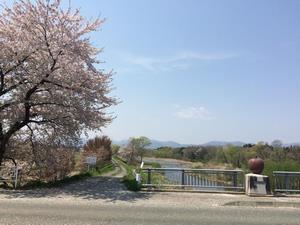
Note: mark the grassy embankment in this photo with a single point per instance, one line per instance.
(130, 180)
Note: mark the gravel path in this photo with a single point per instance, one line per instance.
(108, 187)
(118, 172)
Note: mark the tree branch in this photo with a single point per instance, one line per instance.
(53, 120)
(6, 105)
(12, 159)
(31, 140)
(1, 131)
(58, 85)
(1, 81)
(18, 125)
(50, 103)
(20, 62)
(4, 91)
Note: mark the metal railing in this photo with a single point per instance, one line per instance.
(288, 182)
(9, 174)
(199, 179)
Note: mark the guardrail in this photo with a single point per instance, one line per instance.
(288, 182)
(9, 174)
(200, 179)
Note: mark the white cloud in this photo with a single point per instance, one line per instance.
(203, 56)
(180, 61)
(200, 113)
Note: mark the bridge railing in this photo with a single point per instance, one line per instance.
(287, 182)
(200, 179)
(9, 175)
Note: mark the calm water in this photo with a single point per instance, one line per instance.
(175, 177)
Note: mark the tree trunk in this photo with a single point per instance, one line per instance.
(3, 145)
(2, 149)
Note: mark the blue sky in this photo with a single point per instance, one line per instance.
(199, 70)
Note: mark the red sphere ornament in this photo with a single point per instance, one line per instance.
(256, 165)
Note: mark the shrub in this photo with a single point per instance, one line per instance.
(42, 161)
(99, 147)
(52, 164)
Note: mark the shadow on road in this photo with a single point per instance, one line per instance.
(109, 189)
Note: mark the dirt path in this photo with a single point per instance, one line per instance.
(118, 172)
(108, 186)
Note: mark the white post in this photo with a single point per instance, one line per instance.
(138, 177)
(16, 177)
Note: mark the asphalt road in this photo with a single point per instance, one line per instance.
(105, 200)
(84, 213)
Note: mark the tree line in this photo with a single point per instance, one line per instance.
(276, 156)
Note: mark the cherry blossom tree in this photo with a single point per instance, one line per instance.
(48, 83)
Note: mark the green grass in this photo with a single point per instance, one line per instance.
(156, 178)
(129, 180)
(152, 165)
(95, 172)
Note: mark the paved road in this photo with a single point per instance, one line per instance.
(48, 212)
(104, 200)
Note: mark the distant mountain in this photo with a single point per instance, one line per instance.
(172, 144)
(224, 143)
(154, 144)
(157, 144)
(121, 143)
